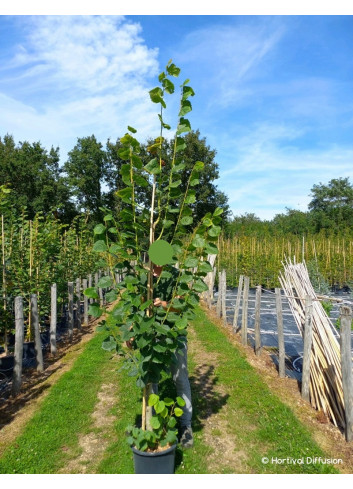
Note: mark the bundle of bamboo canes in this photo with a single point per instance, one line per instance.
(326, 391)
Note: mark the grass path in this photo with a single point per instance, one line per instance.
(79, 427)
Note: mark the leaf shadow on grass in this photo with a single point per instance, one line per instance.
(207, 400)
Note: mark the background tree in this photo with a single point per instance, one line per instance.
(208, 197)
(248, 224)
(293, 222)
(332, 205)
(34, 176)
(87, 171)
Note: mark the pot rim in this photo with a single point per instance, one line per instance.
(154, 454)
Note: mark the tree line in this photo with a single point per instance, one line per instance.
(90, 178)
(330, 212)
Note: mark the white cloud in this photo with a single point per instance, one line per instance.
(77, 76)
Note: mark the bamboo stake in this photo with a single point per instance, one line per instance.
(326, 390)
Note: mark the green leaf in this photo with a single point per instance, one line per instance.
(191, 262)
(162, 328)
(114, 248)
(105, 282)
(156, 95)
(178, 412)
(185, 108)
(173, 70)
(145, 305)
(182, 323)
(179, 167)
(130, 279)
(183, 126)
(175, 184)
(100, 246)
(211, 249)
(191, 197)
(198, 242)
(111, 296)
(167, 223)
(200, 286)
(187, 92)
(91, 292)
(185, 278)
(214, 231)
(185, 221)
(159, 407)
(124, 153)
(180, 144)
(125, 194)
(153, 167)
(99, 229)
(218, 211)
(131, 129)
(95, 311)
(153, 399)
(168, 402)
(180, 401)
(172, 422)
(199, 166)
(168, 86)
(109, 344)
(155, 423)
(171, 437)
(205, 267)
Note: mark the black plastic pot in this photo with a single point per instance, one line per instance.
(156, 462)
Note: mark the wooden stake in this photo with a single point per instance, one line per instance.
(19, 337)
(85, 303)
(224, 297)
(37, 340)
(257, 325)
(53, 319)
(237, 304)
(244, 317)
(346, 362)
(78, 303)
(219, 298)
(71, 309)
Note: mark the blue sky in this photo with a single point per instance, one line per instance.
(273, 93)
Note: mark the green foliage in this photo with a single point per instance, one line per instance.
(37, 253)
(35, 179)
(332, 204)
(318, 282)
(86, 170)
(163, 423)
(156, 333)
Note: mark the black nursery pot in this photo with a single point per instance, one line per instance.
(155, 462)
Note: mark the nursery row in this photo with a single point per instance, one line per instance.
(37, 253)
(331, 258)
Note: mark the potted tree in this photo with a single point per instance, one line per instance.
(164, 234)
